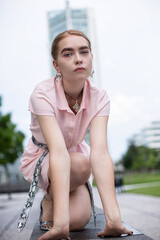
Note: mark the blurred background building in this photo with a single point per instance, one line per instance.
(149, 136)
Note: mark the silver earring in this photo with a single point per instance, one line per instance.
(58, 77)
(92, 73)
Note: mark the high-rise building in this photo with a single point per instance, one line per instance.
(149, 136)
(78, 19)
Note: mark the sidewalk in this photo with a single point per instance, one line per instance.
(139, 211)
(141, 185)
(9, 214)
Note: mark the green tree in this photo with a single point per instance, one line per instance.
(128, 158)
(140, 158)
(11, 141)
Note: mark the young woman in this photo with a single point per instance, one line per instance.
(62, 109)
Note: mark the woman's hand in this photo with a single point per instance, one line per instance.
(114, 230)
(55, 233)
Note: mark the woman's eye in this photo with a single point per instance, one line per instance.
(85, 52)
(67, 54)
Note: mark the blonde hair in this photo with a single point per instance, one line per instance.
(61, 36)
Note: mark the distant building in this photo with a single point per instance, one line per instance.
(78, 19)
(149, 136)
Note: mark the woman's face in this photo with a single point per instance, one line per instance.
(74, 59)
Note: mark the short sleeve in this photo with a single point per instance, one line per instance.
(103, 105)
(40, 104)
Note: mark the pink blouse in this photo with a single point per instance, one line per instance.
(48, 99)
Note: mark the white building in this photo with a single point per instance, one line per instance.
(149, 136)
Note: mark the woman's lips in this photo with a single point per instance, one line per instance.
(79, 69)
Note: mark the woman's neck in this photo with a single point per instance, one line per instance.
(73, 89)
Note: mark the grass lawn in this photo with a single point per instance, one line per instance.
(133, 178)
(141, 177)
(152, 191)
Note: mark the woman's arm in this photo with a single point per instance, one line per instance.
(103, 171)
(59, 167)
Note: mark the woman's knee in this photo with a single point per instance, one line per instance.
(79, 220)
(80, 166)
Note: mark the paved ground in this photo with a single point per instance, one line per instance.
(90, 231)
(9, 214)
(141, 212)
(141, 185)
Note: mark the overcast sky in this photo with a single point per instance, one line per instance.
(128, 37)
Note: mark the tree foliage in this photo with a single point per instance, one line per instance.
(11, 140)
(140, 158)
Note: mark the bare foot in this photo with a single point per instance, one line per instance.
(47, 212)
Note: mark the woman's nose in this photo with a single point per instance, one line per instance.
(78, 58)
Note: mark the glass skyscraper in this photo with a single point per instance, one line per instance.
(60, 21)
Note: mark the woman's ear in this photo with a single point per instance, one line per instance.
(56, 65)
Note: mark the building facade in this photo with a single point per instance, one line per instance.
(149, 136)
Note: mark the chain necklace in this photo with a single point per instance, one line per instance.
(76, 106)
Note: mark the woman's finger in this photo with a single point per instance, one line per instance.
(66, 238)
(114, 233)
(128, 232)
(100, 234)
